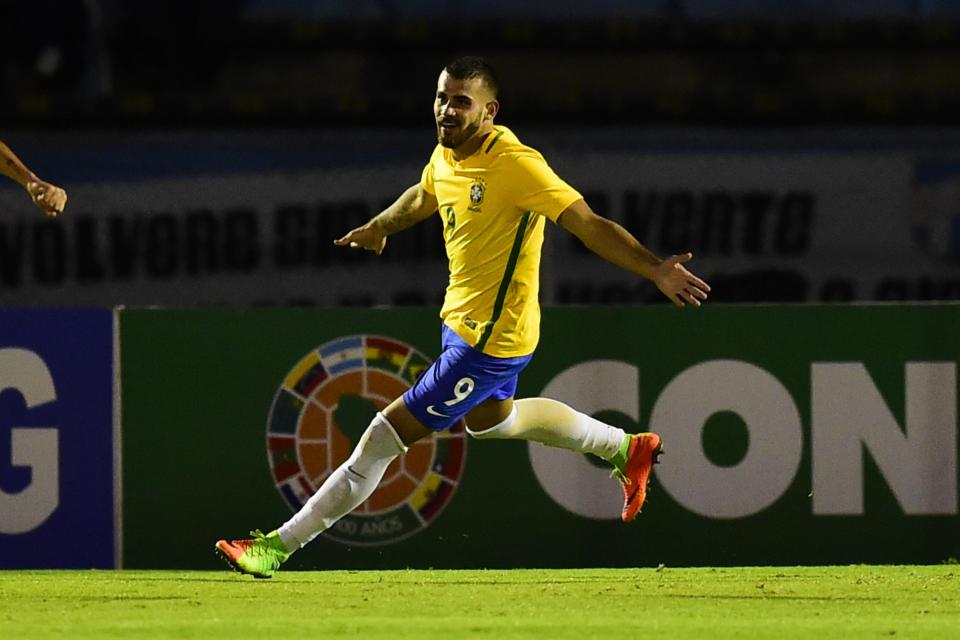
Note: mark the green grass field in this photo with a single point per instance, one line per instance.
(770, 602)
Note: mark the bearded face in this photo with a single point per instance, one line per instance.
(463, 110)
(452, 132)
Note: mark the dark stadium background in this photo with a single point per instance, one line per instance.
(103, 90)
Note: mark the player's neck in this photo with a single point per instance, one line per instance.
(472, 145)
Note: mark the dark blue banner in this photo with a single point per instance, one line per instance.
(57, 494)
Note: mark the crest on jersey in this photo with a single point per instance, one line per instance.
(477, 189)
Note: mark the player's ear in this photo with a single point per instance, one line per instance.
(493, 107)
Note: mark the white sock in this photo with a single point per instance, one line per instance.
(349, 485)
(557, 425)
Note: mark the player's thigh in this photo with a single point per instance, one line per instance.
(489, 413)
(407, 426)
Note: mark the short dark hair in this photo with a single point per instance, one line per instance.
(470, 67)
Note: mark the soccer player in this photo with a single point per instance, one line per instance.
(494, 195)
(49, 198)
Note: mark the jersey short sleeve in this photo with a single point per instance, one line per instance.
(426, 178)
(540, 189)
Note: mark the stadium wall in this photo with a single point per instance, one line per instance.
(794, 435)
(59, 439)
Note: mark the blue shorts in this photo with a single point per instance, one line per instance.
(460, 379)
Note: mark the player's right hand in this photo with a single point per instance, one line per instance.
(49, 198)
(365, 237)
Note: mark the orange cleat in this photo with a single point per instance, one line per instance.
(644, 452)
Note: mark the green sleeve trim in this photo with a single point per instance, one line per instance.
(494, 141)
(505, 282)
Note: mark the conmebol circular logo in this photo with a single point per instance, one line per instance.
(318, 415)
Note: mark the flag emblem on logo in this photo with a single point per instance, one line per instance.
(319, 413)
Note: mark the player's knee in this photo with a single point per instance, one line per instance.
(379, 442)
(500, 430)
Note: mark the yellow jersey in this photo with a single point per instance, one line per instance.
(493, 205)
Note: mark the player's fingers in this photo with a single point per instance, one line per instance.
(697, 282)
(694, 289)
(687, 297)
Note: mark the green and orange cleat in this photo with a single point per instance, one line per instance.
(643, 452)
(259, 556)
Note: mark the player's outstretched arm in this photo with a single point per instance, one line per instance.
(413, 205)
(49, 198)
(615, 244)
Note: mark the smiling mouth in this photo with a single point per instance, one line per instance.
(447, 126)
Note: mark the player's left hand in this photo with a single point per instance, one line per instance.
(366, 237)
(678, 284)
(49, 198)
